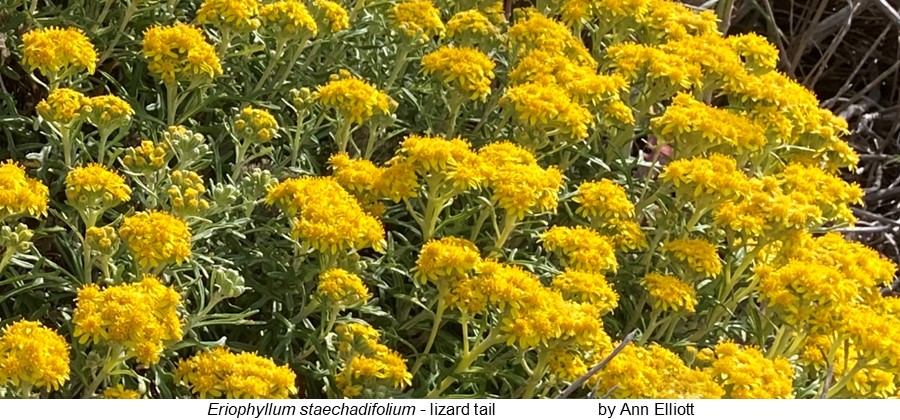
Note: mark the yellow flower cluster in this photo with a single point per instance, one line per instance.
(103, 240)
(325, 216)
(119, 392)
(186, 194)
(156, 238)
(759, 54)
(256, 125)
(231, 15)
(342, 287)
(396, 181)
(517, 183)
(146, 157)
(180, 52)
(33, 355)
(219, 373)
(452, 159)
(703, 179)
(446, 258)
(353, 98)
(548, 108)
(367, 361)
(288, 19)
(21, 195)
(331, 15)
(654, 373)
(603, 199)
(581, 82)
(466, 69)
(537, 32)
(58, 52)
(418, 18)
(587, 287)
(64, 107)
(583, 248)
(744, 372)
(531, 314)
(668, 293)
(96, 187)
(470, 24)
(695, 128)
(669, 20)
(872, 381)
(699, 255)
(140, 317)
(665, 73)
(109, 112)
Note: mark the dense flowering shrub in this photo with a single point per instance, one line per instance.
(316, 198)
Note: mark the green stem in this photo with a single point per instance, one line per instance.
(651, 326)
(126, 19)
(509, 224)
(370, 144)
(456, 101)
(224, 43)
(436, 325)
(342, 137)
(171, 102)
(838, 387)
(539, 370)
(399, 64)
(276, 57)
(432, 209)
(292, 61)
(111, 363)
(464, 363)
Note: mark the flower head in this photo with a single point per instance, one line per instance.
(33, 354)
(354, 98)
(331, 15)
(470, 23)
(141, 317)
(146, 157)
(64, 107)
(219, 373)
(94, 186)
(186, 194)
(548, 107)
(701, 256)
(418, 18)
(342, 287)
(446, 257)
(288, 19)
(109, 112)
(256, 125)
(180, 52)
(233, 15)
(604, 199)
(670, 293)
(58, 52)
(119, 392)
(744, 372)
(20, 194)
(466, 69)
(156, 238)
(585, 249)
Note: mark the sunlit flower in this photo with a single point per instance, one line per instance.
(232, 15)
(219, 373)
(156, 238)
(466, 69)
(33, 355)
(94, 186)
(669, 293)
(20, 194)
(353, 98)
(58, 52)
(180, 52)
(418, 18)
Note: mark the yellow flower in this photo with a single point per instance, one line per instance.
(331, 15)
(744, 372)
(525, 189)
(119, 392)
(156, 238)
(667, 293)
(466, 69)
(695, 127)
(716, 177)
(666, 19)
(470, 23)
(548, 107)
(654, 373)
(58, 52)
(141, 317)
(103, 240)
(342, 287)
(20, 194)
(219, 373)
(288, 19)
(94, 186)
(325, 216)
(758, 53)
(585, 249)
(32, 354)
(605, 199)
(186, 194)
(668, 72)
(256, 125)
(353, 98)
(355, 175)
(446, 258)
(180, 52)
(418, 18)
(699, 255)
(537, 32)
(587, 287)
(232, 15)
(64, 107)
(109, 112)
(368, 364)
(147, 157)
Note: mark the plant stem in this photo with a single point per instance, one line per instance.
(276, 57)
(399, 64)
(171, 102)
(539, 370)
(342, 137)
(509, 224)
(464, 363)
(456, 101)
